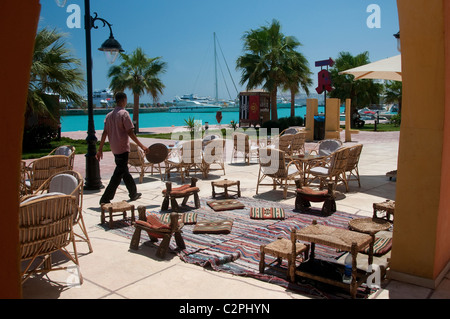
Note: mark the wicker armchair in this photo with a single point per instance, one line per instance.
(213, 153)
(352, 165)
(283, 142)
(327, 147)
(66, 150)
(298, 143)
(42, 168)
(46, 226)
(331, 167)
(241, 144)
(142, 163)
(69, 183)
(272, 164)
(186, 159)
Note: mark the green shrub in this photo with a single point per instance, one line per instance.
(38, 136)
(283, 123)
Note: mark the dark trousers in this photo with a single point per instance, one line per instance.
(120, 172)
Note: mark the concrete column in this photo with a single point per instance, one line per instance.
(18, 24)
(332, 117)
(421, 239)
(312, 108)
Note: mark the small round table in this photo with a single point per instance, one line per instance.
(225, 184)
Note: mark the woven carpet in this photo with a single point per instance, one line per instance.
(238, 252)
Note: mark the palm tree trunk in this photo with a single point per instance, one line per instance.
(136, 112)
(292, 103)
(273, 102)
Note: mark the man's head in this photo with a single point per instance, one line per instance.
(121, 99)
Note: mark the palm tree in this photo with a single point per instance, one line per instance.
(54, 72)
(140, 74)
(361, 92)
(265, 61)
(393, 93)
(297, 75)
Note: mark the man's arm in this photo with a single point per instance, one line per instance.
(136, 140)
(99, 154)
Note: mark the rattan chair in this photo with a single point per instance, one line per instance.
(327, 147)
(142, 163)
(283, 142)
(186, 159)
(66, 150)
(298, 144)
(241, 144)
(352, 165)
(68, 182)
(273, 164)
(46, 226)
(213, 153)
(42, 168)
(330, 169)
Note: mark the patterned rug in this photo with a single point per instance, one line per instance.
(238, 252)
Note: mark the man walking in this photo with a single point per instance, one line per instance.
(119, 128)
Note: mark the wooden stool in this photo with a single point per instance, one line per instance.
(283, 248)
(225, 184)
(180, 192)
(388, 207)
(305, 195)
(122, 207)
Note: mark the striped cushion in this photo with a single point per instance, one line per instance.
(380, 247)
(185, 218)
(266, 213)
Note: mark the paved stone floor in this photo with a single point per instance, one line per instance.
(113, 271)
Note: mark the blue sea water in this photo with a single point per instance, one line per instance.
(70, 123)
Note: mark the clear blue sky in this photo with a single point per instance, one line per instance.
(181, 32)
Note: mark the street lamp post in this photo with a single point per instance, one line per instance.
(112, 48)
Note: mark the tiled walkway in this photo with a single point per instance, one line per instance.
(113, 271)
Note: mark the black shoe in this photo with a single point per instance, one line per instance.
(136, 196)
(102, 202)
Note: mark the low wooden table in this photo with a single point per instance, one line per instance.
(342, 239)
(225, 183)
(112, 208)
(388, 207)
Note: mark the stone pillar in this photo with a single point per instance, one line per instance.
(18, 25)
(421, 241)
(312, 108)
(332, 119)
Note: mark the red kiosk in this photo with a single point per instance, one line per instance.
(254, 108)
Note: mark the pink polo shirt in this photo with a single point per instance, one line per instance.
(117, 125)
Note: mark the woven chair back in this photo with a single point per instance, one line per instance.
(135, 157)
(353, 157)
(285, 143)
(338, 161)
(272, 162)
(214, 151)
(241, 142)
(45, 225)
(191, 152)
(41, 169)
(66, 150)
(327, 147)
(298, 143)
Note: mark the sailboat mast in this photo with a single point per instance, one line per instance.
(215, 69)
